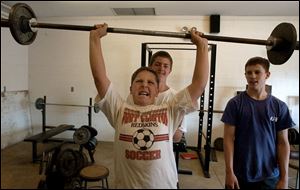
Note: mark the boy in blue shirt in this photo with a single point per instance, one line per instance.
(256, 147)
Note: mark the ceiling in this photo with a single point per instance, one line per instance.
(44, 9)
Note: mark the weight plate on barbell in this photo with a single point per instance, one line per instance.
(19, 17)
(96, 108)
(280, 54)
(39, 103)
(92, 130)
(82, 135)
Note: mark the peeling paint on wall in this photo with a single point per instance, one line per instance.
(15, 117)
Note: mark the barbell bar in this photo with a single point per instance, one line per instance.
(39, 104)
(280, 45)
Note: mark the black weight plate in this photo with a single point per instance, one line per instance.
(82, 135)
(96, 108)
(92, 130)
(280, 54)
(19, 17)
(39, 103)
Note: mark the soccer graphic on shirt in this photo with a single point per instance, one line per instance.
(143, 137)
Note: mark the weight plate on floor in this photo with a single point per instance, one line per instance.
(218, 144)
(67, 163)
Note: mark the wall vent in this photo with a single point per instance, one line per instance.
(133, 11)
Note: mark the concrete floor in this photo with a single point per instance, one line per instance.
(18, 171)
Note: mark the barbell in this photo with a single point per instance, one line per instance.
(280, 45)
(40, 104)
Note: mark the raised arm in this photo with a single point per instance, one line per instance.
(96, 59)
(200, 76)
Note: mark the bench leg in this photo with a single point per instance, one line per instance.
(34, 152)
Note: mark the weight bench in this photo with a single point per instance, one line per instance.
(44, 137)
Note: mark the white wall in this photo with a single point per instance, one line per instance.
(59, 60)
(15, 110)
(15, 117)
(14, 63)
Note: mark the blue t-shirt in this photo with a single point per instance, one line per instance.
(257, 123)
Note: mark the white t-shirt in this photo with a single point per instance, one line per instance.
(161, 98)
(143, 150)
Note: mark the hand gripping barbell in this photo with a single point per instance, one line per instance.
(280, 45)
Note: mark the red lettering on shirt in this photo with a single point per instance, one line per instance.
(142, 155)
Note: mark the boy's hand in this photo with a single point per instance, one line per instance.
(197, 39)
(99, 32)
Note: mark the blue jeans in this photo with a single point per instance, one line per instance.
(269, 183)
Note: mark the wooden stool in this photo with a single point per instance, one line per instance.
(95, 173)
